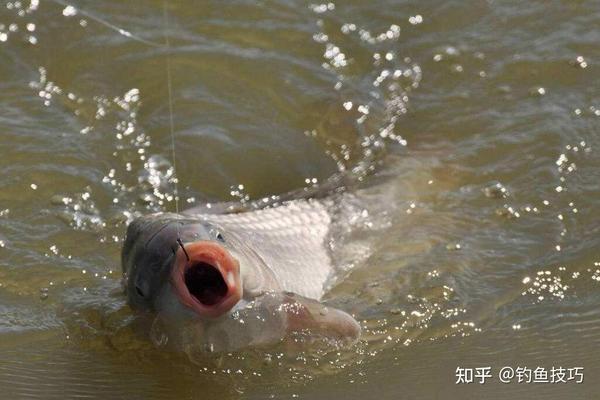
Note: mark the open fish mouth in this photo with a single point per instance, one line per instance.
(206, 278)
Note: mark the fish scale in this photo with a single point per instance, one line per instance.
(290, 238)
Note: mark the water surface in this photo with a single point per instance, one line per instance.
(476, 233)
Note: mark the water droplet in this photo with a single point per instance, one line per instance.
(69, 11)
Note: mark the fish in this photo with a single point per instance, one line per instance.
(223, 281)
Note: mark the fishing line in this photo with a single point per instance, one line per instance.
(110, 26)
(170, 97)
(171, 123)
(167, 46)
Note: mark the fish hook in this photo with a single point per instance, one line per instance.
(183, 248)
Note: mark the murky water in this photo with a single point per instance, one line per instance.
(475, 241)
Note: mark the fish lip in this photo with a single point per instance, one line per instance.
(216, 256)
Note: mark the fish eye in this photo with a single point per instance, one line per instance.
(216, 234)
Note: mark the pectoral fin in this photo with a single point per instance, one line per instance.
(267, 320)
(304, 315)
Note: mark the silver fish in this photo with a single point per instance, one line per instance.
(227, 281)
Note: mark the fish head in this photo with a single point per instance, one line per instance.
(185, 263)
